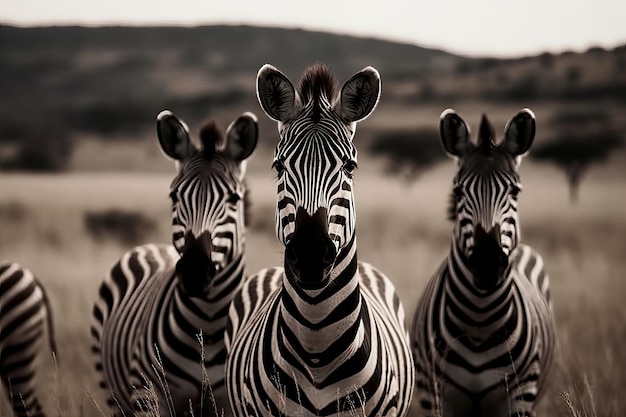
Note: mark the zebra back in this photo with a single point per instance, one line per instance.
(25, 312)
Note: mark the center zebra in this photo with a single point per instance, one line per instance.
(157, 299)
(483, 331)
(325, 334)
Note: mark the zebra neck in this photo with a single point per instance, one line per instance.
(476, 312)
(323, 327)
(219, 290)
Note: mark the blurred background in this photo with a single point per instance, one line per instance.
(82, 178)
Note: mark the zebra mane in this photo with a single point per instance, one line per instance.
(247, 204)
(316, 82)
(486, 136)
(210, 136)
(451, 212)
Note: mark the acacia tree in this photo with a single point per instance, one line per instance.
(575, 154)
(408, 152)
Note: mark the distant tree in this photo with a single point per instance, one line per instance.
(502, 78)
(581, 117)
(408, 152)
(596, 50)
(484, 64)
(41, 145)
(428, 91)
(464, 66)
(573, 75)
(574, 155)
(527, 87)
(547, 60)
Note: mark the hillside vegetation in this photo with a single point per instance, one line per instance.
(65, 87)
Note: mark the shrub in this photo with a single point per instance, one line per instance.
(122, 226)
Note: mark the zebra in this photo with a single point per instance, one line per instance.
(159, 319)
(483, 332)
(24, 312)
(325, 334)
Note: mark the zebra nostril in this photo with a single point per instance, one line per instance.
(504, 260)
(330, 253)
(290, 255)
(205, 240)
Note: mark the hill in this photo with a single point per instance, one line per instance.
(125, 73)
(61, 85)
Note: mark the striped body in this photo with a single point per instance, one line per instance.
(361, 364)
(483, 332)
(158, 324)
(24, 310)
(483, 355)
(325, 334)
(144, 318)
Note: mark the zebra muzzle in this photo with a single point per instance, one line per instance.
(310, 253)
(195, 269)
(488, 261)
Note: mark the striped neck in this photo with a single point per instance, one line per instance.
(471, 311)
(323, 328)
(219, 289)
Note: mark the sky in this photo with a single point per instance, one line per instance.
(470, 27)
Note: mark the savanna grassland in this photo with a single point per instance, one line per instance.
(79, 106)
(401, 229)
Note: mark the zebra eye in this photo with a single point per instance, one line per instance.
(515, 191)
(174, 197)
(279, 167)
(349, 167)
(234, 198)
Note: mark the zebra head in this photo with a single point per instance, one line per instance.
(315, 161)
(208, 191)
(483, 203)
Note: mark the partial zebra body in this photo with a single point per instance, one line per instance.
(483, 331)
(356, 361)
(24, 312)
(158, 325)
(148, 330)
(324, 335)
(486, 353)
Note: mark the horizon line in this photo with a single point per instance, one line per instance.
(391, 39)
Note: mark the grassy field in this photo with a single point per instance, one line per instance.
(401, 229)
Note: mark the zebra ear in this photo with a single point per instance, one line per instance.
(276, 94)
(455, 135)
(359, 95)
(519, 133)
(173, 136)
(242, 136)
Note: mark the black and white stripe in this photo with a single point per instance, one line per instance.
(160, 317)
(24, 312)
(325, 335)
(483, 332)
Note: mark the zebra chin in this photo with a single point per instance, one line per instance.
(195, 269)
(488, 261)
(310, 252)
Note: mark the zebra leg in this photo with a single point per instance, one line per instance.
(424, 403)
(516, 400)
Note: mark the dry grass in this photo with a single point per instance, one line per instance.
(401, 230)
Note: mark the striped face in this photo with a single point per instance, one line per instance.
(315, 161)
(314, 164)
(485, 197)
(485, 191)
(208, 198)
(208, 192)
